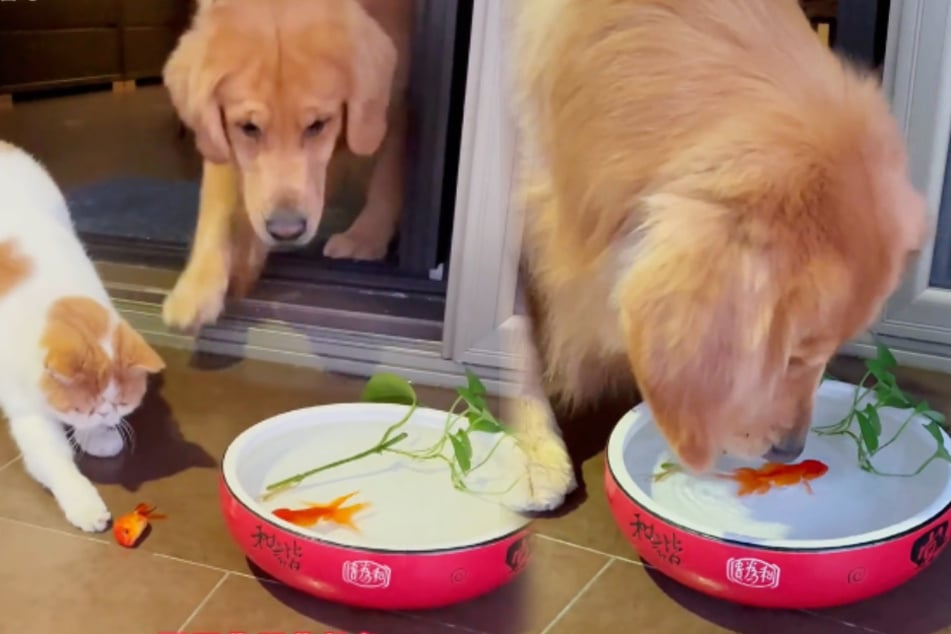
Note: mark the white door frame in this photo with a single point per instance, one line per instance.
(916, 322)
(482, 327)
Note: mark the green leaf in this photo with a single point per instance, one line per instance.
(873, 419)
(462, 449)
(475, 401)
(934, 416)
(474, 384)
(485, 424)
(936, 432)
(388, 388)
(891, 396)
(869, 437)
(881, 373)
(885, 356)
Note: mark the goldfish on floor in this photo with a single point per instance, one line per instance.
(129, 528)
(772, 474)
(332, 512)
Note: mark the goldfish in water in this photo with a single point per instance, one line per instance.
(332, 512)
(129, 528)
(772, 474)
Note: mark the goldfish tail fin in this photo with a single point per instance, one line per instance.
(344, 516)
(335, 504)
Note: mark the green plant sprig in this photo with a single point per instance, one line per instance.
(475, 416)
(886, 393)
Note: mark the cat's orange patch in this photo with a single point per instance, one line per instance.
(78, 367)
(15, 266)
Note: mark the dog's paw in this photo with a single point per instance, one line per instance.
(83, 507)
(354, 245)
(104, 442)
(547, 471)
(196, 300)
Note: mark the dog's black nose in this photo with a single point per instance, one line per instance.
(785, 452)
(286, 225)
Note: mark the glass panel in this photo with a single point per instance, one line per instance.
(95, 112)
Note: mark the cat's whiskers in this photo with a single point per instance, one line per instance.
(78, 438)
(128, 434)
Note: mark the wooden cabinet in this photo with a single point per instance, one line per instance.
(62, 43)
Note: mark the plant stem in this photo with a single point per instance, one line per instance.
(898, 433)
(380, 447)
(846, 422)
(488, 455)
(450, 419)
(399, 423)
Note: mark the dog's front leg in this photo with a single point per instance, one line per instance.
(549, 474)
(369, 236)
(199, 294)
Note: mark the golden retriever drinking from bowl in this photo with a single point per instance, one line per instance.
(714, 203)
(282, 96)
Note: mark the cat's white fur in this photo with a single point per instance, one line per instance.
(34, 212)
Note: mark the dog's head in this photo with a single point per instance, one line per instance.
(273, 87)
(753, 270)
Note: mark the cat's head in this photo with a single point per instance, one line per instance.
(96, 366)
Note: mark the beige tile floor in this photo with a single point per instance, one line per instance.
(188, 576)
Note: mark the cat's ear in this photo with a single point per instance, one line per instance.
(132, 351)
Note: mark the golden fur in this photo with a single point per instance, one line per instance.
(284, 97)
(78, 369)
(714, 203)
(15, 266)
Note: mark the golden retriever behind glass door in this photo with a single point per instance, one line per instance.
(714, 203)
(282, 96)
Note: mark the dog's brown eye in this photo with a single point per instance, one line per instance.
(315, 127)
(250, 130)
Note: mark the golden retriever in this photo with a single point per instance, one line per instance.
(283, 96)
(714, 202)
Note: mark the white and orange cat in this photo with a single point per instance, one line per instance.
(70, 367)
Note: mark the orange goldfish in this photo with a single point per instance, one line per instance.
(772, 474)
(332, 512)
(129, 528)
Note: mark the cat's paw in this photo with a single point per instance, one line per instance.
(197, 300)
(548, 475)
(103, 442)
(84, 508)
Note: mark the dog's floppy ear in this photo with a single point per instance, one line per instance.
(191, 78)
(697, 313)
(373, 66)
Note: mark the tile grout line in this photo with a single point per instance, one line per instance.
(578, 596)
(203, 602)
(855, 626)
(90, 537)
(595, 551)
(78, 534)
(451, 626)
(201, 564)
(10, 462)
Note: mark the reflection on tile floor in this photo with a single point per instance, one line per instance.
(584, 577)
